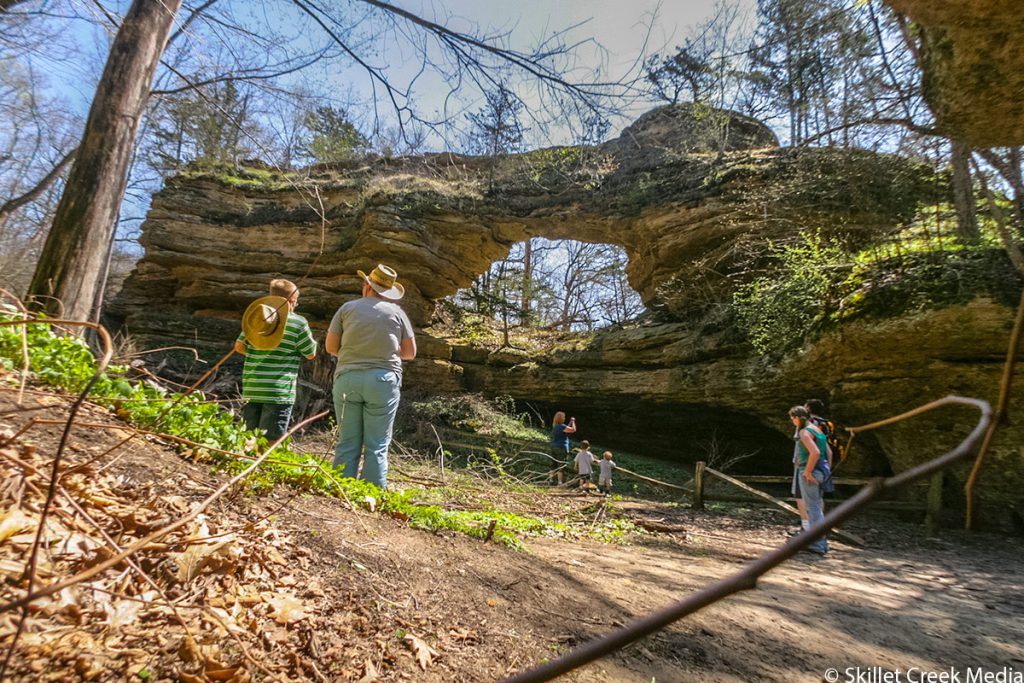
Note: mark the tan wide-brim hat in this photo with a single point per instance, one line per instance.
(264, 322)
(383, 280)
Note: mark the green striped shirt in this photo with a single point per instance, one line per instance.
(269, 376)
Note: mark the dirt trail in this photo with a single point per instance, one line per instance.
(488, 611)
(901, 603)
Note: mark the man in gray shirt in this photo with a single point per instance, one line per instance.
(371, 336)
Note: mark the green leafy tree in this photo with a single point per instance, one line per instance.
(496, 128)
(811, 59)
(781, 309)
(333, 136)
(214, 125)
(689, 71)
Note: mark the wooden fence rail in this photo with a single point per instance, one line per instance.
(702, 471)
(695, 489)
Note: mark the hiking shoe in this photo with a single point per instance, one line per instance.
(814, 551)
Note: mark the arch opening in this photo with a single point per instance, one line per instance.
(554, 285)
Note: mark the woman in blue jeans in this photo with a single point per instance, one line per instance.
(371, 336)
(811, 469)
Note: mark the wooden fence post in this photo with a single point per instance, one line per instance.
(698, 485)
(934, 510)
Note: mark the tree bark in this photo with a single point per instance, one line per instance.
(527, 294)
(963, 194)
(71, 265)
(1009, 169)
(1016, 179)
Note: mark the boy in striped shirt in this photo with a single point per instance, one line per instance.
(270, 374)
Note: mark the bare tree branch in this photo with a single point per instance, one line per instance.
(904, 123)
(188, 22)
(12, 205)
(257, 74)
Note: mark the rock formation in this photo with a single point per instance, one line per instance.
(972, 60)
(689, 210)
(693, 195)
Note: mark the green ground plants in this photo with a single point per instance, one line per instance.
(65, 362)
(779, 312)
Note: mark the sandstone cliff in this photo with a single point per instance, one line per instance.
(689, 194)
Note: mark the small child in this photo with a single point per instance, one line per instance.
(604, 482)
(582, 464)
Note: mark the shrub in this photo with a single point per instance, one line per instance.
(779, 311)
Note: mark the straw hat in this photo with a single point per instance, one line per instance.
(383, 281)
(264, 322)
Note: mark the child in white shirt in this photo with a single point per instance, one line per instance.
(583, 464)
(604, 482)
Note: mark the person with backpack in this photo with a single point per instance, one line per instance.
(811, 471)
(816, 409)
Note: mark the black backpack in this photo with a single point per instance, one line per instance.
(831, 430)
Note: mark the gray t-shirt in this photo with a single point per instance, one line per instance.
(583, 461)
(606, 469)
(372, 331)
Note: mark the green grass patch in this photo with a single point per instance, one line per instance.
(66, 363)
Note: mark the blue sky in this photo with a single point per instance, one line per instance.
(614, 35)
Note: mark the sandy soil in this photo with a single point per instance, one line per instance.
(901, 602)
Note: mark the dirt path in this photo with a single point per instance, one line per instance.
(904, 602)
(371, 581)
(933, 605)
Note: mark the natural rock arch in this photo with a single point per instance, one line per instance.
(687, 192)
(691, 194)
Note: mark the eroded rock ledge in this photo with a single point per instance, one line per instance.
(690, 194)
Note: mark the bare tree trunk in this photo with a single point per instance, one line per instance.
(504, 305)
(526, 301)
(71, 264)
(1016, 180)
(1009, 168)
(963, 194)
(794, 115)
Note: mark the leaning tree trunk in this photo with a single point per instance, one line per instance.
(963, 194)
(1016, 179)
(69, 274)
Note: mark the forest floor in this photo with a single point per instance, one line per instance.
(293, 586)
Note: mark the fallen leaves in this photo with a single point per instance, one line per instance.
(424, 653)
(13, 522)
(215, 671)
(230, 596)
(287, 609)
(125, 612)
(218, 580)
